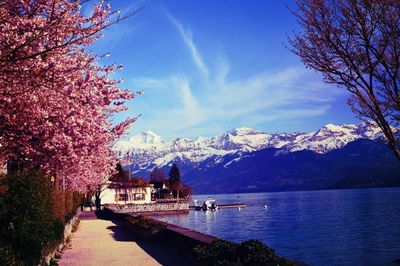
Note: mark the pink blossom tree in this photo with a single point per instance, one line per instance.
(56, 99)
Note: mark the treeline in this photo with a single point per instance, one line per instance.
(33, 213)
(170, 186)
(174, 184)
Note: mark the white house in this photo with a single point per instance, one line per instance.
(125, 193)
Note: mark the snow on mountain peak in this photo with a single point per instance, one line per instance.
(150, 133)
(150, 149)
(332, 127)
(242, 130)
(147, 137)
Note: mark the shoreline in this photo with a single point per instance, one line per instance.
(149, 228)
(184, 240)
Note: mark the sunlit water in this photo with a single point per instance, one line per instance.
(330, 227)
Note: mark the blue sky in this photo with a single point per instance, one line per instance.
(209, 66)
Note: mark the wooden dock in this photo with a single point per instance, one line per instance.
(224, 206)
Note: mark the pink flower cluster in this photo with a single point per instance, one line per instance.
(56, 100)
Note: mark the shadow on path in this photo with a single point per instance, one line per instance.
(165, 255)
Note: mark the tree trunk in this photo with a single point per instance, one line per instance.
(396, 150)
(14, 165)
(389, 134)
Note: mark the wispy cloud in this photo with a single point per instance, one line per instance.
(286, 95)
(214, 102)
(188, 40)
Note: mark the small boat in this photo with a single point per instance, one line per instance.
(209, 205)
(196, 206)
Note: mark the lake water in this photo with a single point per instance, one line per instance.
(329, 227)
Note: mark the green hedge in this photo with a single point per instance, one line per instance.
(248, 253)
(145, 223)
(31, 222)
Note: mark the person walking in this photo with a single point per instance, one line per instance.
(98, 203)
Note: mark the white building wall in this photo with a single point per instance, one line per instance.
(110, 195)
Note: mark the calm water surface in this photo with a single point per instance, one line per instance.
(330, 227)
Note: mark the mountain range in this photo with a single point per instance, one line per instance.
(248, 160)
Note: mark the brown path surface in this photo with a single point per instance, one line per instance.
(103, 242)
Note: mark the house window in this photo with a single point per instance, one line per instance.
(138, 196)
(121, 197)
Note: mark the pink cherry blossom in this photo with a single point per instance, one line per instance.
(57, 100)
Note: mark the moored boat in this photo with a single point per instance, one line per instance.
(209, 205)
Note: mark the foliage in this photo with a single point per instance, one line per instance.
(178, 188)
(31, 217)
(186, 191)
(59, 205)
(355, 45)
(220, 252)
(120, 174)
(123, 177)
(249, 253)
(138, 181)
(253, 252)
(70, 209)
(7, 255)
(146, 223)
(174, 180)
(157, 175)
(27, 227)
(56, 100)
(78, 199)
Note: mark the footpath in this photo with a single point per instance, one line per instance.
(104, 242)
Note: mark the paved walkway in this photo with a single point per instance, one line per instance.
(102, 242)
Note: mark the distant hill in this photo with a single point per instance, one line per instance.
(246, 160)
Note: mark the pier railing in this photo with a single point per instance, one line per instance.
(172, 200)
(151, 208)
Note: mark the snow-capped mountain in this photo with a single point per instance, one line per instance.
(148, 149)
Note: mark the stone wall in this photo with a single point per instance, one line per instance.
(150, 207)
(162, 233)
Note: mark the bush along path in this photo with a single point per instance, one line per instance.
(33, 215)
(248, 253)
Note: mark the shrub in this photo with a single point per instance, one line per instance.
(7, 255)
(146, 223)
(248, 253)
(59, 205)
(253, 252)
(27, 227)
(220, 252)
(69, 206)
(77, 199)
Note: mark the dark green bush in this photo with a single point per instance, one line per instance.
(69, 206)
(27, 227)
(59, 205)
(253, 252)
(78, 199)
(220, 252)
(248, 253)
(7, 255)
(146, 223)
(58, 230)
